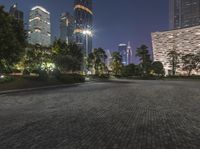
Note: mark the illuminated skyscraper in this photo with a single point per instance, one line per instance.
(39, 26)
(126, 53)
(83, 22)
(67, 27)
(184, 13)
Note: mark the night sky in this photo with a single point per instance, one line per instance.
(115, 21)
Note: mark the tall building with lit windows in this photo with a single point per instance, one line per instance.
(184, 13)
(126, 53)
(39, 26)
(83, 16)
(67, 27)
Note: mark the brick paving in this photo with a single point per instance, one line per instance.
(112, 115)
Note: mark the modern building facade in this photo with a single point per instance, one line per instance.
(184, 13)
(109, 59)
(39, 26)
(184, 41)
(83, 16)
(19, 15)
(126, 53)
(67, 27)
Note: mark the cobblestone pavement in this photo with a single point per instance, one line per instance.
(112, 115)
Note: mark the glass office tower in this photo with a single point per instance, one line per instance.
(39, 27)
(83, 16)
(184, 13)
(67, 27)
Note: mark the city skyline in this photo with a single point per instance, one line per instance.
(136, 21)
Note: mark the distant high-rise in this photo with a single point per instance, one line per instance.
(184, 13)
(19, 15)
(126, 53)
(83, 21)
(67, 27)
(109, 59)
(39, 26)
(129, 54)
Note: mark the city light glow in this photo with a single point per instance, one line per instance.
(87, 32)
(2, 76)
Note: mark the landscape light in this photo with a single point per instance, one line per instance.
(2, 76)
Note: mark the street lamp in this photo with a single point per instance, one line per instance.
(87, 33)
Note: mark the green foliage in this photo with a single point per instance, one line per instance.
(129, 70)
(12, 41)
(6, 79)
(174, 60)
(116, 64)
(71, 78)
(96, 61)
(26, 72)
(37, 57)
(191, 62)
(158, 68)
(43, 75)
(67, 57)
(145, 59)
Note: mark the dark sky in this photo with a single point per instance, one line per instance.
(115, 21)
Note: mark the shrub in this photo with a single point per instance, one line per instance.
(71, 78)
(56, 74)
(43, 75)
(6, 79)
(26, 72)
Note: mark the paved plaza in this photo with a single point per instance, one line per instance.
(104, 115)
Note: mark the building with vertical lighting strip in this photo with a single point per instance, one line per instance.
(83, 16)
(126, 53)
(39, 27)
(67, 27)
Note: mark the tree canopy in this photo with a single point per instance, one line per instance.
(12, 40)
(145, 59)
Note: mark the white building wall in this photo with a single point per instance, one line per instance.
(184, 41)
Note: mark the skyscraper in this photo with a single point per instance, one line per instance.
(83, 24)
(184, 13)
(67, 27)
(126, 53)
(39, 26)
(19, 15)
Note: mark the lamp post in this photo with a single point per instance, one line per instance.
(87, 33)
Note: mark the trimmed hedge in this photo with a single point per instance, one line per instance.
(71, 78)
(6, 79)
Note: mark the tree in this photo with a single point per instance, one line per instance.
(158, 68)
(116, 63)
(174, 60)
(190, 62)
(12, 40)
(68, 57)
(129, 70)
(37, 57)
(145, 59)
(96, 61)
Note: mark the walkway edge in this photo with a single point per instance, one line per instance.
(39, 88)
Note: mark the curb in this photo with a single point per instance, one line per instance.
(39, 88)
